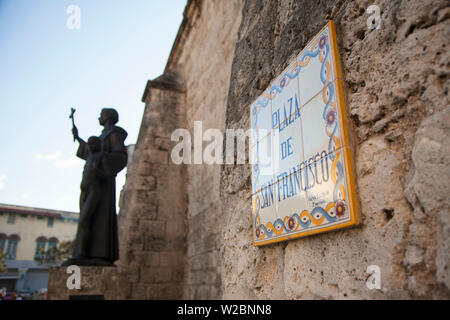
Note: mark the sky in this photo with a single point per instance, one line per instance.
(46, 68)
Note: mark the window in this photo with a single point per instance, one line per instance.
(23, 215)
(11, 251)
(50, 221)
(11, 218)
(2, 242)
(52, 243)
(40, 217)
(40, 247)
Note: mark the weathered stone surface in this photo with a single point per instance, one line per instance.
(204, 63)
(152, 221)
(413, 255)
(396, 88)
(427, 191)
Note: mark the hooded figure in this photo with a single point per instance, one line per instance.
(97, 236)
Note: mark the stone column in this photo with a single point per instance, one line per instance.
(153, 204)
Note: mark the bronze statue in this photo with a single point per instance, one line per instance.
(96, 242)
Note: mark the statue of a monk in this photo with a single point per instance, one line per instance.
(96, 242)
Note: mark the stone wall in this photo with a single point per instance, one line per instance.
(107, 282)
(204, 64)
(188, 206)
(397, 81)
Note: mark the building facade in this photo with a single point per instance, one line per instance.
(25, 234)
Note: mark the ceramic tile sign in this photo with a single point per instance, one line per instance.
(302, 172)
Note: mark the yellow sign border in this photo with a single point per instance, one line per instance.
(348, 162)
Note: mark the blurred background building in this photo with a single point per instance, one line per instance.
(26, 233)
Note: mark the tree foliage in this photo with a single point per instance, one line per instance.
(56, 255)
(3, 256)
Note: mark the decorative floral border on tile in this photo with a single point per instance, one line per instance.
(333, 214)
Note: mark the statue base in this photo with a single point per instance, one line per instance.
(89, 262)
(96, 282)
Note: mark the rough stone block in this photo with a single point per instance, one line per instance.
(138, 291)
(145, 168)
(147, 212)
(152, 229)
(110, 282)
(145, 197)
(156, 275)
(145, 182)
(157, 156)
(171, 258)
(152, 259)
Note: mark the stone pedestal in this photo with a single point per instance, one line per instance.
(108, 282)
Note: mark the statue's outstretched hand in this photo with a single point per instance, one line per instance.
(75, 133)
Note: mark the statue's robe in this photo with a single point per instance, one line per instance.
(103, 240)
